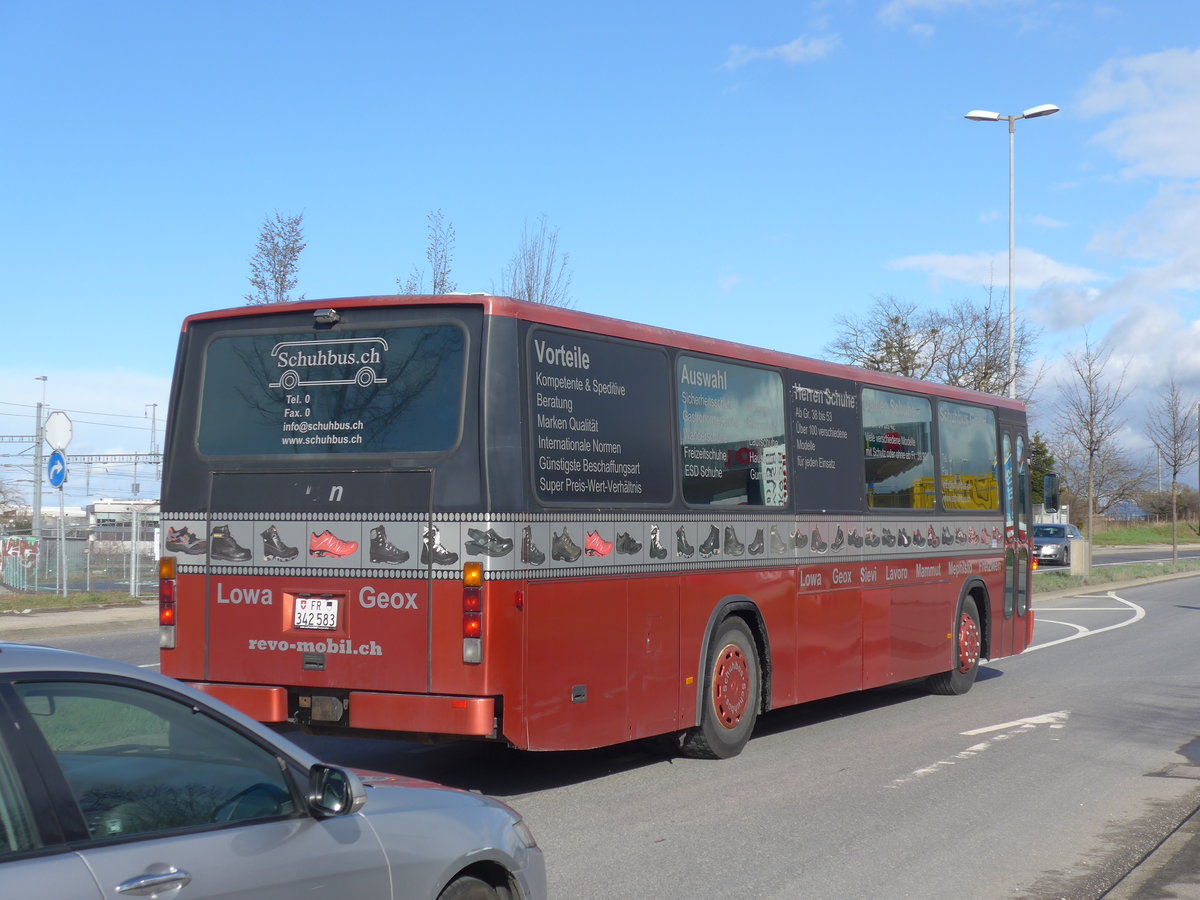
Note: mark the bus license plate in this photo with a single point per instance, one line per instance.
(320, 613)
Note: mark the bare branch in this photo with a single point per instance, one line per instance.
(276, 260)
(538, 272)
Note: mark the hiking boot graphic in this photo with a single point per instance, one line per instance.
(432, 550)
(594, 545)
(799, 539)
(383, 550)
(712, 543)
(183, 541)
(778, 547)
(221, 545)
(757, 545)
(488, 542)
(564, 549)
(818, 543)
(657, 550)
(733, 547)
(328, 544)
(275, 549)
(838, 539)
(530, 554)
(682, 547)
(627, 545)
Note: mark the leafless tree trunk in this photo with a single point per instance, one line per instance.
(1091, 405)
(538, 272)
(895, 337)
(439, 252)
(1172, 427)
(974, 349)
(966, 346)
(276, 260)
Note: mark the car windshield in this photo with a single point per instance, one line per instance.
(1049, 531)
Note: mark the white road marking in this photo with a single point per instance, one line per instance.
(1054, 718)
(1138, 614)
(1008, 731)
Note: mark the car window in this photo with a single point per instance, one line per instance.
(1047, 531)
(140, 763)
(16, 823)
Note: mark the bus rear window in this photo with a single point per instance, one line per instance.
(390, 390)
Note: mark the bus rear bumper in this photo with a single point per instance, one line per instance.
(372, 711)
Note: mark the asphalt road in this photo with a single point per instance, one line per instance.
(1053, 778)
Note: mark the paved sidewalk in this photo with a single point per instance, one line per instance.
(37, 626)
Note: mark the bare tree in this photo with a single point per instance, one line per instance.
(974, 349)
(895, 336)
(11, 499)
(966, 346)
(439, 253)
(1117, 475)
(1090, 417)
(538, 272)
(1171, 425)
(276, 260)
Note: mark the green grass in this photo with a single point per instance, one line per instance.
(42, 602)
(1158, 533)
(1044, 581)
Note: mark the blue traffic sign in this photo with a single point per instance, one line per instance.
(56, 469)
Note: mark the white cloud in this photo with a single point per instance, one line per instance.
(899, 12)
(726, 283)
(1155, 101)
(801, 50)
(1047, 222)
(1030, 269)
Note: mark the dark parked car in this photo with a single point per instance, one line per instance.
(1052, 543)
(117, 782)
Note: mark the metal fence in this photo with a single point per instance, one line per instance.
(83, 562)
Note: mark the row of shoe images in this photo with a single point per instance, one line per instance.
(565, 550)
(221, 545)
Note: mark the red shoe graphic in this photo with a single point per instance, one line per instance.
(596, 545)
(326, 544)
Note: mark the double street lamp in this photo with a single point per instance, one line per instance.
(982, 115)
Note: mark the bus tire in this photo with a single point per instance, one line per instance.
(732, 686)
(968, 642)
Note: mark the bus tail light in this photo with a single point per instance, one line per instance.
(166, 603)
(472, 617)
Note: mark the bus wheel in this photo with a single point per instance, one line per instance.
(966, 654)
(731, 695)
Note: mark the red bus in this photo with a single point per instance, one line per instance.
(472, 517)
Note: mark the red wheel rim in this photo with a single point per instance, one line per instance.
(730, 686)
(968, 643)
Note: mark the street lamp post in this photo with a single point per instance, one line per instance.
(982, 115)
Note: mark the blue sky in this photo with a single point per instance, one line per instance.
(749, 170)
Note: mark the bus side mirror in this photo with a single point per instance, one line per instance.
(1050, 492)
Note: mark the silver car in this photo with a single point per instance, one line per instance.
(1052, 543)
(116, 782)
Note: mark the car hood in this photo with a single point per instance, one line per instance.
(403, 792)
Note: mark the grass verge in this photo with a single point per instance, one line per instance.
(43, 602)
(1044, 581)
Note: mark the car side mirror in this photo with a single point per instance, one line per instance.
(1050, 492)
(334, 792)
